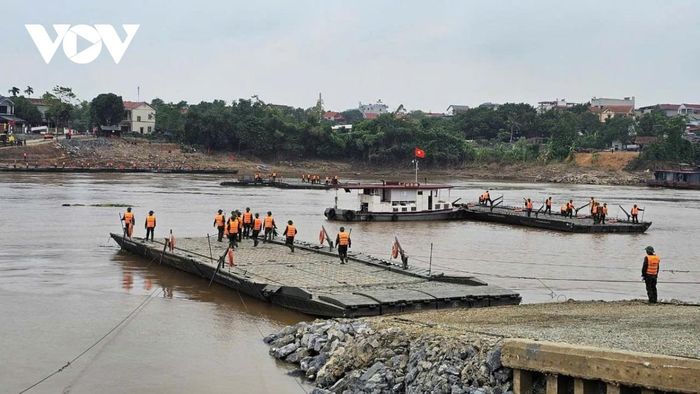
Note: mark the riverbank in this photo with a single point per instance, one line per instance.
(459, 351)
(88, 153)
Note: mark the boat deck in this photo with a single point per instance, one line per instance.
(313, 281)
(278, 184)
(555, 221)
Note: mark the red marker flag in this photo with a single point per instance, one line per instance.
(420, 153)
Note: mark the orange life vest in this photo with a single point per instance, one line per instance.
(128, 217)
(344, 238)
(247, 218)
(233, 226)
(151, 221)
(268, 221)
(219, 220)
(549, 202)
(594, 209)
(653, 264)
(257, 224)
(291, 230)
(604, 210)
(569, 206)
(635, 211)
(529, 205)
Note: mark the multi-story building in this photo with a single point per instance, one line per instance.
(544, 106)
(139, 117)
(608, 108)
(9, 123)
(371, 111)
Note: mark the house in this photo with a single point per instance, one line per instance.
(9, 123)
(643, 141)
(453, 110)
(108, 131)
(342, 128)
(372, 111)
(139, 117)
(42, 106)
(692, 111)
(333, 116)
(608, 108)
(544, 106)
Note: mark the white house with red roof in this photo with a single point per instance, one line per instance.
(608, 108)
(139, 117)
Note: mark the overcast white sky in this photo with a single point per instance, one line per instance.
(423, 54)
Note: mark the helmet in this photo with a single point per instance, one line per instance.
(342, 229)
(649, 249)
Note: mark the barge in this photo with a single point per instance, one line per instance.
(684, 178)
(555, 221)
(396, 201)
(249, 182)
(313, 281)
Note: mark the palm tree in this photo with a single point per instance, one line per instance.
(14, 91)
(29, 91)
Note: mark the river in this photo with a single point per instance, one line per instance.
(64, 284)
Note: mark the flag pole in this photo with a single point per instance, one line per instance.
(416, 161)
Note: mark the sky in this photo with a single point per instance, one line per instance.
(425, 55)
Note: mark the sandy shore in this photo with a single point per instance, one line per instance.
(88, 152)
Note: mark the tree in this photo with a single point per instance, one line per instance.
(81, 116)
(352, 116)
(24, 109)
(29, 91)
(14, 91)
(107, 109)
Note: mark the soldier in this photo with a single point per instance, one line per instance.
(343, 241)
(270, 226)
(257, 226)
(290, 232)
(220, 224)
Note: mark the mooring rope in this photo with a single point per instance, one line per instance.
(133, 312)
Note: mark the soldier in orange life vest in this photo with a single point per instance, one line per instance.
(150, 224)
(257, 226)
(635, 213)
(528, 207)
(570, 208)
(232, 230)
(220, 224)
(486, 198)
(128, 222)
(343, 241)
(594, 212)
(548, 205)
(650, 271)
(247, 222)
(270, 226)
(290, 232)
(603, 212)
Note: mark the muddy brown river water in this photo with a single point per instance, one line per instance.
(63, 284)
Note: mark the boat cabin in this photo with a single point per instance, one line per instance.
(683, 178)
(402, 197)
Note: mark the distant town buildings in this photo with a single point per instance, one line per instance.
(692, 111)
(139, 117)
(608, 108)
(453, 110)
(544, 106)
(371, 111)
(333, 116)
(9, 123)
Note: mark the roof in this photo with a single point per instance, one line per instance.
(371, 115)
(11, 118)
(130, 105)
(617, 109)
(4, 98)
(693, 106)
(644, 140)
(396, 185)
(38, 101)
(458, 107)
